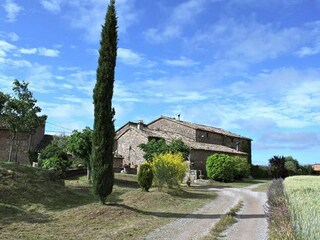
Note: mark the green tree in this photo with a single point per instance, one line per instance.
(20, 114)
(277, 166)
(177, 145)
(145, 176)
(3, 99)
(80, 145)
(292, 165)
(103, 129)
(61, 141)
(153, 147)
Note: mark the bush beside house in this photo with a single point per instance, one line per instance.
(226, 168)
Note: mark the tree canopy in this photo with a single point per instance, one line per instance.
(20, 114)
(159, 146)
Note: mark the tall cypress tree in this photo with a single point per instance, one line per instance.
(103, 129)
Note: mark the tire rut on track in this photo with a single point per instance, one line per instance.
(251, 225)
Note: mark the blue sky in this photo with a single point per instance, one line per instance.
(250, 67)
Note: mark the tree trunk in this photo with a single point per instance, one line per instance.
(16, 150)
(13, 138)
(29, 143)
(89, 174)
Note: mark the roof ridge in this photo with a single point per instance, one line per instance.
(198, 126)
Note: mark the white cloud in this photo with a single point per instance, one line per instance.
(12, 9)
(41, 79)
(128, 56)
(6, 47)
(61, 111)
(282, 98)
(28, 50)
(10, 36)
(182, 62)
(309, 51)
(40, 51)
(89, 15)
(127, 14)
(179, 17)
(15, 63)
(48, 52)
(51, 5)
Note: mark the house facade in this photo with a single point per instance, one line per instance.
(202, 140)
(37, 140)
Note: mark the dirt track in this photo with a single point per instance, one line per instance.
(252, 223)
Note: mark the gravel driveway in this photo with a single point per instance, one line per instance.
(252, 223)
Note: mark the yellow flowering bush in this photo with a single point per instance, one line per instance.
(168, 169)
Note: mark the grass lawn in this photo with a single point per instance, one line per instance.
(33, 205)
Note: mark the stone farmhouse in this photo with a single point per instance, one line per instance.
(38, 141)
(202, 140)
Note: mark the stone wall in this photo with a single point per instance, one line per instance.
(209, 137)
(4, 144)
(127, 147)
(23, 139)
(240, 144)
(170, 126)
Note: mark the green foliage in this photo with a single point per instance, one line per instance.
(53, 150)
(61, 141)
(177, 145)
(33, 156)
(258, 171)
(20, 114)
(241, 167)
(80, 144)
(3, 99)
(145, 176)
(306, 170)
(292, 165)
(54, 158)
(159, 146)
(277, 166)
(153, 147)
(55, 164)
(220, 167)
(168, 169)
(103, 129)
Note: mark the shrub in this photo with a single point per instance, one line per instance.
(305, 170)
(168, 169)
(53, 150)
(145, 176)
(241, 167)
(220, 167)
(55, 164)
(279, 219)
(258, 171)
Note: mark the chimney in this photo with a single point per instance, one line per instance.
(140, 125)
